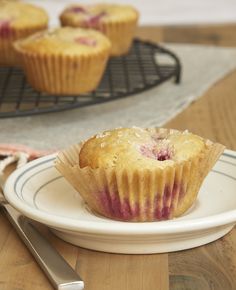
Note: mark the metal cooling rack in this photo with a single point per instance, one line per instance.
(147, 65)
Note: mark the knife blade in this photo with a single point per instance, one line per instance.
(59, 272)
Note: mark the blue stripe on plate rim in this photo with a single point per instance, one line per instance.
(19, 194)
(35, 194)
(101, 226)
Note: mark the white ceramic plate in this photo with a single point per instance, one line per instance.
(41, 193)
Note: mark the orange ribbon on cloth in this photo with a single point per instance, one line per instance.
(21, 154)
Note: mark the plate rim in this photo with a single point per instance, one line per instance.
(120, 228)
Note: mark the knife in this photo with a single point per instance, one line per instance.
(58, 271)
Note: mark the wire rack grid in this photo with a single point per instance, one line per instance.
(145, 66)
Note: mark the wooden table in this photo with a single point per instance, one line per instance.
(212, 266)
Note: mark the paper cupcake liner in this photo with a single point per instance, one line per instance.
(8, 55)
(120, 33)
(139, 195)
(64, 75)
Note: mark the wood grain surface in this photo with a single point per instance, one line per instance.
(213, 266)
(208, 267)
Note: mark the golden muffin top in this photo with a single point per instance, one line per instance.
(67, 41)
(91, 15)
(21, 15)
(139, 148)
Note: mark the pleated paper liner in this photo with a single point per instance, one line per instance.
(64, 74)
(138, 195)
(121, 35)
(8, 55)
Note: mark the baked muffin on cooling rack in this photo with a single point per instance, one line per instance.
(64, 61)
(18, 20)
(135, 174)
(117, 22)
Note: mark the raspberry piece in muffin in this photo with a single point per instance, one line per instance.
(5, 28)
(76, 9)
(86, 41)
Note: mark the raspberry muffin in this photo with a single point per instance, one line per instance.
(18, 20)
(134, 174)
(64, 61)
(117, 22)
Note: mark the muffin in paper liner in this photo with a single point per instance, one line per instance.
(117, 22)
(64, 61)
(139, 194)
(18, 20)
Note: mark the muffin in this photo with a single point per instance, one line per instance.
(18, 20)
(64, 61)
(135, 174)
(117, 22)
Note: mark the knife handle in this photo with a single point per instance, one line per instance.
(59, 272)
